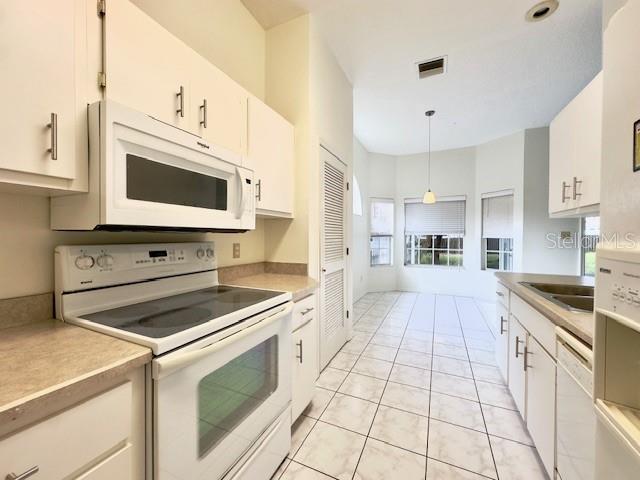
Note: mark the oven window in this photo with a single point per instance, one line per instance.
(227, 396)
(155, 182)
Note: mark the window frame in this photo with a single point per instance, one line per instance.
(418, 249)
(501, 252)
(371, 249)
(583, 249)
(373, 235)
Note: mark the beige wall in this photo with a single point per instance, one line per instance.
(222, 31)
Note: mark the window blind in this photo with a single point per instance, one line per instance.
(382, 217)
(497, 217)
(445, 217)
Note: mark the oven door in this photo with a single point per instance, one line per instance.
(160, 176)
(213, 402)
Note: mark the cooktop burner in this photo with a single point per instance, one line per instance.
(165, 316)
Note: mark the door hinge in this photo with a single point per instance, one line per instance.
(347, 313)
(102, 79)
(347, 250)
(102, 8)
(347, 186)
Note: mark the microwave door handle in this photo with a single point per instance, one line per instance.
(165, 367)
(241, 200)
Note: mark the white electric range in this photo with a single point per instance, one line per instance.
(219, 386)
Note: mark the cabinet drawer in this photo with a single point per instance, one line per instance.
(502, 295)
(303, 311)
(542, 329)
(117, 466)
(68, 441)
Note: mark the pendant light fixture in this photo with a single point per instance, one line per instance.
(429, 196)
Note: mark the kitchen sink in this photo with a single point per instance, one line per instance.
(577, 298)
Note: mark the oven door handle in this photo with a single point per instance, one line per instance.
(165, 367)
(240, 183)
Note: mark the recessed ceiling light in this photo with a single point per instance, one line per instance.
(542, 10)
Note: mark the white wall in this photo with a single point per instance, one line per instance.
(360, 242)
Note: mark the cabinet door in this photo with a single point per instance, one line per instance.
(588, 145)
(145, 65)
(305, 367)
(502, 341)
(541, 401)
(218, 107)
(516, 373)
(561, 160)
(271, 155)
(37, 60)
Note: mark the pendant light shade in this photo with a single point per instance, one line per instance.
(429, 197)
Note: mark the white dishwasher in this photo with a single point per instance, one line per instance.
(575, 422)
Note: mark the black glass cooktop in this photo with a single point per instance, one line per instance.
(166, 316)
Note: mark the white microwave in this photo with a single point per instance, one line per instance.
(145, 174)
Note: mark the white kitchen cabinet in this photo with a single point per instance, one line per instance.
(270, 155)
(42, 62)
(575, 153)
(516, 374)
(502, 341)
(74, 443)
(541, 401)
(305, 354)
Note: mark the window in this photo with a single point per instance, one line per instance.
(590, 235)
(434, 233)
(357, 198)
(497, 231)
(381, 239)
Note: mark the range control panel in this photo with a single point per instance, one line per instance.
(91, 266)
(618, 287)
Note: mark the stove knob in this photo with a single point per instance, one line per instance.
(105, 261)
(210, 252)
(85, 262)
(200, 253)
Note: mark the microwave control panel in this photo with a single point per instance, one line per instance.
(618, 287)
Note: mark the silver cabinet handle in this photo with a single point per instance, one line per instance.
(32, 471)
(564, 189)
(299, 344)
(576, 182)
(524, 360)
(53, 126)
(307, 310)
(259, 190)
(180, 95)
(203, 107)
(517, 343)
(502, 321)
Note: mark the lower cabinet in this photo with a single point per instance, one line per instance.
(541, 401)
(517, 378)
(502, 341)
(305, 355)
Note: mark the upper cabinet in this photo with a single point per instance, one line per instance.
(271, 156)
(575, 153)
(44, 127)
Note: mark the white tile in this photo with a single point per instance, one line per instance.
(450, 351)
(459, 411)
(296, 471)
(416, 377)
(496, 395)
(350, 412)
(488, 345)
(400, 428)
(441, 471)
(386, 340)
(516, 461)
(299, 431)
(395, 329)
(506, 424)
(361, 386)
(453, 340)
(331, 378)
(373, 367)
(354, 346)
(451, 366)
(415, 345)
(381, 461)
(380, 352)
(456, 386)
(482, 356)
(487, 373)
(343, 361)
(319, 402)
(462, 447)
(331, 450)
(405, 397)
(414, 359)
(418, 335)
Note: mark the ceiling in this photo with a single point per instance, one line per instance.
(504, 74)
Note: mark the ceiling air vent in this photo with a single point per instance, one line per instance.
(432, 67)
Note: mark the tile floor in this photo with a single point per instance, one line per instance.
(414, 395)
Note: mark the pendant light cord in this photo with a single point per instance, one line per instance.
(429, 165)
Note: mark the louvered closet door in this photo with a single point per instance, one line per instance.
(333, 281)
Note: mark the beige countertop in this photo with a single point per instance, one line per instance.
(299, 285)
(580, 324)
(49, 362)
